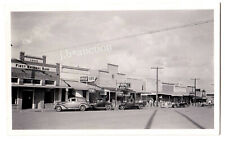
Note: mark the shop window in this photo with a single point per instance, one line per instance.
(63, 95)
(35, 81)
(49, 96)
(14, 80)
(84, 94)
(49, 82)
(27, 81)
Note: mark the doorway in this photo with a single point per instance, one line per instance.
(27, 99)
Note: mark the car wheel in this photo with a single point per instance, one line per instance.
(58, 109)
(122, 107)
(140, 107)
(108, 107)
(82, 108)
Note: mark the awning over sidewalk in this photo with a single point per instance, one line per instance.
(178, 94)
(80, 86)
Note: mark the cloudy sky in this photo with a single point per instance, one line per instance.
(74, 38)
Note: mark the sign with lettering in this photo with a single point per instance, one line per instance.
(124, 85)
(33, 67)
(33, 60)
(87, 79)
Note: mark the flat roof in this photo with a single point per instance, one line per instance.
(76, 68)
(112, 64)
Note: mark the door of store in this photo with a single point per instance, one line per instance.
(27, 99)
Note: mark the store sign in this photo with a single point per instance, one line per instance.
(33, 67)
(33, 60)
(124, 85)
(83, 78)
(87, 79)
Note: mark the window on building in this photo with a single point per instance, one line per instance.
(14, 80)
(49, 96)
(113, 76)
(49, 82)
(27, 81)
(142, 87)
(35, 81)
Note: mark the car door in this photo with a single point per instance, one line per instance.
(71, 104)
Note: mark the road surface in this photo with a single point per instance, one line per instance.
(147, 118)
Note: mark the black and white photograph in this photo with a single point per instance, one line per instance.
(137, 69)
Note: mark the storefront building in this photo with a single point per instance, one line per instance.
(35, 84)
(79, 83)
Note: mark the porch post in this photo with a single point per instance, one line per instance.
(33, 104)
(109, 96)
(66, 94)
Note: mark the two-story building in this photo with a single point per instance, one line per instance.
(35, 84)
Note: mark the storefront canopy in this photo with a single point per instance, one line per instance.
(180, 94)
(80, 86)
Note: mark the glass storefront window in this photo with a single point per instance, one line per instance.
(49, 82)
(27, 81)
(14, 80)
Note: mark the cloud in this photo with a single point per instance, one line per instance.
(184, 53)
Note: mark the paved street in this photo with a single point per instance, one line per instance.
(148, 118)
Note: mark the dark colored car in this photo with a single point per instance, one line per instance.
(131, 105)
(179, 104)
(102, 105)
(76, 103)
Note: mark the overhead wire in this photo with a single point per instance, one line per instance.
(135, 35)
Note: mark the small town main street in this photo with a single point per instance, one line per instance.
(147, 118)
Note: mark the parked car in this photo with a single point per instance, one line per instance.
(179, 104)
(75, 103)
(102, 105)
(131, 105)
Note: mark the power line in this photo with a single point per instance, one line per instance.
(195, 86)
(138, 34)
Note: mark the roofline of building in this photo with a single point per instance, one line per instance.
(76, 68)
(103, 71)
(34, 57)
(14, 60)
(112, 64)
(134, 78)
(168, 83)
(121, 73)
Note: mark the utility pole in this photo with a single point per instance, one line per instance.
(157, 71)
(195, 86)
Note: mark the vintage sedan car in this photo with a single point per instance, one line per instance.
(101, 105)
(179, 104)
(131, 105)
(75, 103)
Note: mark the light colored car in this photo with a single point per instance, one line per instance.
(75, 103)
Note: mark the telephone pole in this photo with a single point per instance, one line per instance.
(157, 71)
(195, 86)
